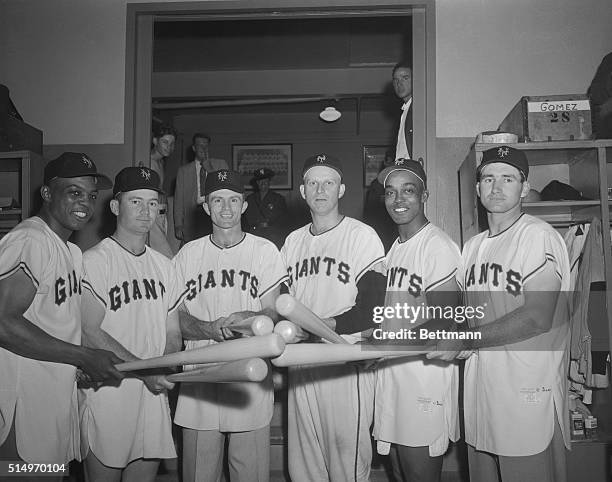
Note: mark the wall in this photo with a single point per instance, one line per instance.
(64, 61)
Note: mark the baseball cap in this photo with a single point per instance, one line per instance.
(262, 173)
(223, 179)
(75, 164)
(402, 164)
(322, 160)
(507, 155)
(132, 178)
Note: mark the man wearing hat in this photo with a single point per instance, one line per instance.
(416, 406)
(516, 373)
(229, 276)
(334, 266)
(190, 221)
(40, 319)
(130, 306)
(266, 214)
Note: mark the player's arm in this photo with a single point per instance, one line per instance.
(193, 328)
(174, 340)
(370, 293)
(534, 318)
(93, 336)
(445, 295)
(20, 336)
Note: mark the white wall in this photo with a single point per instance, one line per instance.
(64, 60)
(64, 63)
(489, 53)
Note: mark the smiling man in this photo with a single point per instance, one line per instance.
(334, 266)
(416, 406)
(230, 276)
(40, 319)
(130, 308)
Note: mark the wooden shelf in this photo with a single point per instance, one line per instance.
(563, 211)
(10, 212)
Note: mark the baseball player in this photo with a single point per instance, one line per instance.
(229, 275)
(130, 308)
(515, 382)
(40, 321)
(416, 404)
(331, 264)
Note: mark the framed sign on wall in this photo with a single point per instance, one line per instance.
(373, 161)
(246, 158)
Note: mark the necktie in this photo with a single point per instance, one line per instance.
(202, 179)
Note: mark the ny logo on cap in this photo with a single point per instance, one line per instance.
(145, 173)
(222, 176)
(86, 161)
(503, 152)
(321, 158)
(400, 161)
(261, 171)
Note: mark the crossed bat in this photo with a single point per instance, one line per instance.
(241, 360)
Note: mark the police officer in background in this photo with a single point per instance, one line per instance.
(266, 214)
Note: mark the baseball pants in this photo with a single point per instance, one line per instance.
(329, 416)
(414, 464)
(248, 455)
(547, 466)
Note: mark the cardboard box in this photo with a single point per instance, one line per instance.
(550, 118)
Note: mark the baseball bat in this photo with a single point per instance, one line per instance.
(258, 346)
(296, 312)
(323, 353)
(254, 326)
(287, 330)
(251, 370)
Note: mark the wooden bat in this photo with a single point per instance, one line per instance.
(258, 346)
(296, 312)
(287, 330)
(251, 370)
(254, 326)
(323, 353)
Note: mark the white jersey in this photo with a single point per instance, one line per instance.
(416, 401)
(330, 407)
(350, 250)
(513, 392)
(41, 396)
(124, 423)
(221, 281)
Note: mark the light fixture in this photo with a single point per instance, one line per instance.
(330, 114)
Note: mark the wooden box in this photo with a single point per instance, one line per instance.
(550, 118)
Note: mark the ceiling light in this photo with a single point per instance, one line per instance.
(330, 114)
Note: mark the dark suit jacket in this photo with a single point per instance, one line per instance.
(408, 131)
(188, 214)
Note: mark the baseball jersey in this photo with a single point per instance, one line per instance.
(41, 396)
(221, 281)
(416, 401)
(513, 392)
(330, 407)
(126, 422)
(331, 263)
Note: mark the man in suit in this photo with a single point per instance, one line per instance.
(190, 220)
(402, 84)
